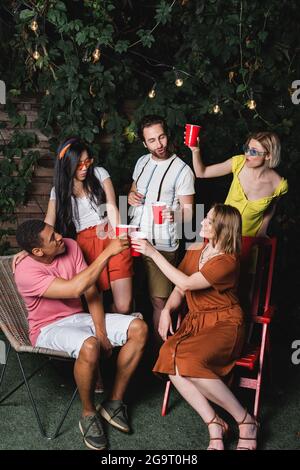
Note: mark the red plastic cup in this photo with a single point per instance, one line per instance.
(191, 134)
(136, 235)
(133, 228)
(122, 228)
(157, 208)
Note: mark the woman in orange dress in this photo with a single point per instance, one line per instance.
(209, 340)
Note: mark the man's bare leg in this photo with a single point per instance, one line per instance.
(85, 372)
(129, 357)
(122, 295)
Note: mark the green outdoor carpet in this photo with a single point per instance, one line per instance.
(181, 429)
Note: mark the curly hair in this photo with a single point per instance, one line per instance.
(28, 234)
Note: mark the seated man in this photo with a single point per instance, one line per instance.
(51, 280)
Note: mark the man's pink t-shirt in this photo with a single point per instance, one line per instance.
(33, 279)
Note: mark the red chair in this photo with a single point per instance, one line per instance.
(261, 313)
(257, 266)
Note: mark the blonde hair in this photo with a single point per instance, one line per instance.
(227, 224)
(271, 143)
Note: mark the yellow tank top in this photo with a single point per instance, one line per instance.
(252, 212)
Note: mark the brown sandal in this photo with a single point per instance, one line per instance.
(253, 423)
(225, 429)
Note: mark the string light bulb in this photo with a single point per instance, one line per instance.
(216, 109)
(96, 54)
(47, 92)
(152, 92)
(34, 25)
(231, 76)
(36, 55)
(178, 82)
(86, 57)
(251, 104)
(178, 79)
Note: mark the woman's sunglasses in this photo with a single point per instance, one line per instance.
(253, 152)
(87, 163)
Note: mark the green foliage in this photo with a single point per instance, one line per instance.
(163, 12)
(226, 50)
(16, 170)
(147, 38)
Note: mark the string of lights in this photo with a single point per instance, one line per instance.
(179, 75)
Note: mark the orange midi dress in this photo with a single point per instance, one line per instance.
(211, 335)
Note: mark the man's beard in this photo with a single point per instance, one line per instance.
(165, 155)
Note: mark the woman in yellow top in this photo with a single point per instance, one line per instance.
(255, 187)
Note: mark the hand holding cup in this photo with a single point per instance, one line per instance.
(168, 215)
(157, 209)
(135, 198)
(117, 245)
(142, 246)
(135, 236)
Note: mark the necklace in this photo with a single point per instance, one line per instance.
(207, 255)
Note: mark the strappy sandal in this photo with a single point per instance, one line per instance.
(225, 429)
(253, 423)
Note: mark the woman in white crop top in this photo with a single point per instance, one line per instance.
(82, 205)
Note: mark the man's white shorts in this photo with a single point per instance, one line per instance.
(69, 334)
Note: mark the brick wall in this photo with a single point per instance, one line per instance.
(39, 191)
(43, 174)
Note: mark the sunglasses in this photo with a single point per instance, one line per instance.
(87, 163)
(253, 152)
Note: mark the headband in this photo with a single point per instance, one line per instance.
(65, 148)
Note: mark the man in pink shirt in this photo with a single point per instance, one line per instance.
(51, 280)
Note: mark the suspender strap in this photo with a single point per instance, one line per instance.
(162, 180)
(142, 171)
(158, 196)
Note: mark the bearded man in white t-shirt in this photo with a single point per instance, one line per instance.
(160, 176)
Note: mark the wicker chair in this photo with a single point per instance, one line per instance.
(13, 322)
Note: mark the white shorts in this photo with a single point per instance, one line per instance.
(69, 334)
